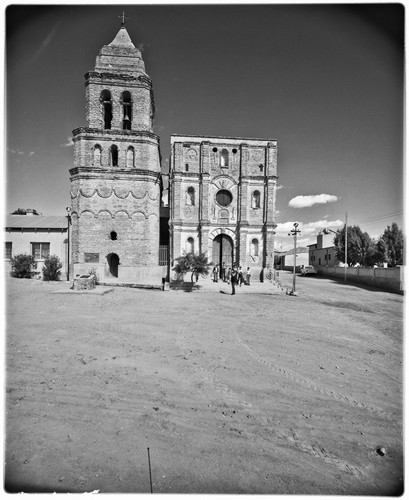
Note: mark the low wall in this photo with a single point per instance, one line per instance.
(391, 278)
(143, 275)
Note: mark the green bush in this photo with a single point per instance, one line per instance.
(22, 266)
(51, 268)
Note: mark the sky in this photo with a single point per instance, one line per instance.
(324, 80)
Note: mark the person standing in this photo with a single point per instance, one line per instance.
(228, 276)
(223, 272)
(216, 274)
(234, 277)
(248, 276)
(240, 276)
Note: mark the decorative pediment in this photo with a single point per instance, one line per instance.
(224, 182)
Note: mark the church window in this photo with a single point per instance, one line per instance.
(224, 197)
(190, 196)
(214, 150)
(255, 199)
(127, 110)
(113, 235)
(107, 108)
(130, 157)
(114, 156)
(190, 246)
(261, 167)
(97, 155)
(224, 158)
(254, 247)
(187, 167)
(234, 151)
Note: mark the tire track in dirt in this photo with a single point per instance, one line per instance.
(290, 436)
(311, 385)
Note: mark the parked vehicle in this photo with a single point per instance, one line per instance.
(308, 270)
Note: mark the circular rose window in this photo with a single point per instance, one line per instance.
(224, 197)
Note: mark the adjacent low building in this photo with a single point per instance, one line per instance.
(27, 232)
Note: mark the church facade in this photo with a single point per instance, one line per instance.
(222, 191)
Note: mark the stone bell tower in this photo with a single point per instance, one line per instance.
(116, 179)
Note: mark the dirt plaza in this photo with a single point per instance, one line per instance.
(257, 393)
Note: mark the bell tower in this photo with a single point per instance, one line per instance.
(116, 178)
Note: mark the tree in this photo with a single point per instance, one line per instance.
(361, 248)
(392, 239)
(22, 266)
(51, 268)
(194, 263)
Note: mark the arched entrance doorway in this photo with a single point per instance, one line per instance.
(222, 250)
(113, 262)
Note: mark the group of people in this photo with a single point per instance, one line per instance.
(233, 275)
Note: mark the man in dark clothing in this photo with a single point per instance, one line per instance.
(234, 277)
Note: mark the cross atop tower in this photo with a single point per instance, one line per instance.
(123, 19)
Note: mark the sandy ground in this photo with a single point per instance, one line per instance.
(256, 393)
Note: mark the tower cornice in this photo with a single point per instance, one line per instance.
(117, 135)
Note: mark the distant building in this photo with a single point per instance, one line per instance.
(322, 253)
(36, 235)
(301, 258)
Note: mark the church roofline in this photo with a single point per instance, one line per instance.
(202, 138)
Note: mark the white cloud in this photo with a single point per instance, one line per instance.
(310, 200)
(31, 153)
(68, 144)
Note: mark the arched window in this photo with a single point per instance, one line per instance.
(130, 157)
(255, 199)
(127, 110)
(114, 156)
(106, 102)
(190, 245)
(190, 196)
(224, 158)
(113, 235)
(97, 155)
(254, 247)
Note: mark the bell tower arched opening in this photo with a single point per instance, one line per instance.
(107, 108)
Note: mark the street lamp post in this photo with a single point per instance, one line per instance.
(294, 233)
(68, 209)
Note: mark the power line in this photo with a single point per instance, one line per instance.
(380, 218)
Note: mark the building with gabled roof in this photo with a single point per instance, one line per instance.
(37, 235)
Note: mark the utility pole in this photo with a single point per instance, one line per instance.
(68, 209)
(346, 246)
(294, 233)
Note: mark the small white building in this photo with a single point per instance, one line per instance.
(301, 258)
(27, 232)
